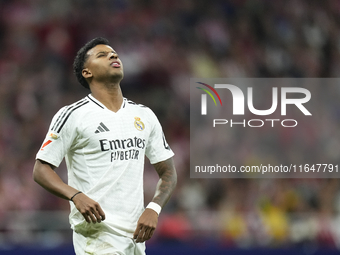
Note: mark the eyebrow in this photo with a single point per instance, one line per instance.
(106, 52)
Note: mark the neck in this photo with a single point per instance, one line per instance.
(111, 97)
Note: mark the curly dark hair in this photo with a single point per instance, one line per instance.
(81, 57)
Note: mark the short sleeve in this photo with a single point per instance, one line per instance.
(58, 140)
(157, 148)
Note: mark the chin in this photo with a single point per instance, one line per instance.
(118, 76)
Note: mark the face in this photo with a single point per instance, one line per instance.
(103, 65)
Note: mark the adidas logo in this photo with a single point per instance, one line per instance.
(101, 128)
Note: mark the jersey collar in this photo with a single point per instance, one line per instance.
(89, 96)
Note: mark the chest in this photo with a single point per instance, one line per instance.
(106, 131)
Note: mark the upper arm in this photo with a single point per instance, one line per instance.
(41, 164)
(157, 149)
(166, 167)
(41, 167)
(58, 139)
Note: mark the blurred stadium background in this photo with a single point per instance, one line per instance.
(162, 44)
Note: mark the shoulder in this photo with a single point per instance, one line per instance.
(139, 108)
(68, 112)
(130, 103)
(75, 108)
(143, 113)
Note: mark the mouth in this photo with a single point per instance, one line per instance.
(115, 64)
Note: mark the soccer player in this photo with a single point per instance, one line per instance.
(104, 138)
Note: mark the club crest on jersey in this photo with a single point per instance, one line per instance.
(139, 124)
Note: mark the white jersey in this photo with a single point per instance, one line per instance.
(104, 153)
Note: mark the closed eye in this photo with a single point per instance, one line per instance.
(104, 53)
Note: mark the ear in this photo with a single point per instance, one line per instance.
(86, 73)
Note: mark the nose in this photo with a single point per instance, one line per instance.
(113, 55)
